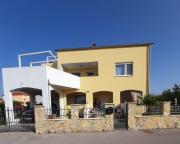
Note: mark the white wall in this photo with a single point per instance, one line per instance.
(58, 77)
(31, 77)
(36, 77)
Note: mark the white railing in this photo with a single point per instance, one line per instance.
(50, 58)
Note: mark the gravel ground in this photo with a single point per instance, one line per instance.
(163, 136)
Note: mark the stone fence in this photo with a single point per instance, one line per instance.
(75, 124)
(136, 119)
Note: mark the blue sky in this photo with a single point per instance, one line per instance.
(35, 25)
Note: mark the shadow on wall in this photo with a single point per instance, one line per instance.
(76, 98)
(102, 97)
(131, 96)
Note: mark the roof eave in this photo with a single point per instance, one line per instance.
(104, 47)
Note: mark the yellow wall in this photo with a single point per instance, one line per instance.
(106, 79)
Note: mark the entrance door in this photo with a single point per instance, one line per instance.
(120, 118)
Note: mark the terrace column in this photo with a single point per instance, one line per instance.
(116, 98)
(89, 99)
(8, 105)
(61, 100)
(46, 97)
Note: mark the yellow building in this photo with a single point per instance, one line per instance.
(108, 74)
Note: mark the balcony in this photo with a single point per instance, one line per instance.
(85, 69)
(37, 77)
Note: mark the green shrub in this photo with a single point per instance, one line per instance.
(172, 95)
(150, 100)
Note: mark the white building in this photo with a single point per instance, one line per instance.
(37, 80)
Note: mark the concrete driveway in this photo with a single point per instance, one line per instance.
(166, 136)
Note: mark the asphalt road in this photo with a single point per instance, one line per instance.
(165, 136)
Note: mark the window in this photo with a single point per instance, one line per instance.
(90, 73)
(77, 74)
(120, 69)
(129, 69)
(124, 69)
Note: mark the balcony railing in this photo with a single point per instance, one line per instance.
(58, 113)
(175, 110)
(91, 113)
(149, 110)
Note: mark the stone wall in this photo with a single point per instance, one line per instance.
(165, 120)
(75, 124)
(154, 122)
(136, 120)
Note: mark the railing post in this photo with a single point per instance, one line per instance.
(131, 115)
(86, 111)
(39, 119)
(166, 108)
(74, 111)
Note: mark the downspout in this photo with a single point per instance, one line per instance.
(148, 68)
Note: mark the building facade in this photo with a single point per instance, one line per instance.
(106, 72)
(92, 76)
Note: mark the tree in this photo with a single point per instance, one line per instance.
(150, 100)
(172, 95)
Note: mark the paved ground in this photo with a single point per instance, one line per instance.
(167, 136)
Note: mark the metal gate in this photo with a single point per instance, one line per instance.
(120, 118)
(16, 120)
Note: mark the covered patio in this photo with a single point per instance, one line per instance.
(76, 98)
(42, 81)
(102, 97)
